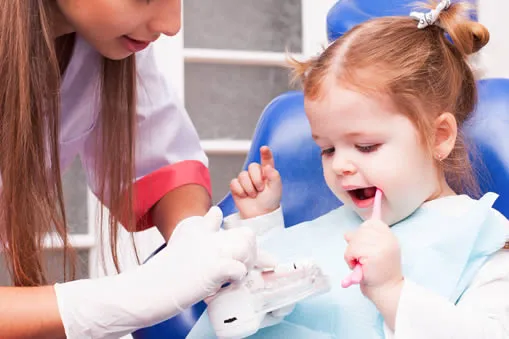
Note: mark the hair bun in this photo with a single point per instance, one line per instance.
(480, 36)
(467, 35)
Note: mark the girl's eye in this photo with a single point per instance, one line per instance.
(367, 148)
(327, 151)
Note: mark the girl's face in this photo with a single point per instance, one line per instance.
(365, 144)
(119, 28)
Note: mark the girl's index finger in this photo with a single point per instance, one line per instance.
(266, 157)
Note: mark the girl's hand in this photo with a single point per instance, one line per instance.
(258, 190)
(376, 248)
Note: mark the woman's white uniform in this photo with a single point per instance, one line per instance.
(168, 152)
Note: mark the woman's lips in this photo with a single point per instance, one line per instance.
(134, 45)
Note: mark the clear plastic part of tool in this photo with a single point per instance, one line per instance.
(263, 298)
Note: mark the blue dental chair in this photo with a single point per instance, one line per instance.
(283, 127)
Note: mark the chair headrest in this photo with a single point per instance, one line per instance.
(346, 14)
(487, 131)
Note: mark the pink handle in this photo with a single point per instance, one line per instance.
(353, 278)
(377, 206)
(356, 276)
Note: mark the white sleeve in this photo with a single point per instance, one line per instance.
(262, 226)
(481, 313)
(166, 134)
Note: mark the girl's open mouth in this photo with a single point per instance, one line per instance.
(363, 197)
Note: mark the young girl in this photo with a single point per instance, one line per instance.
(70, 85)
(386, 103)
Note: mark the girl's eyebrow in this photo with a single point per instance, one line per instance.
(348, 135)
(355, 134)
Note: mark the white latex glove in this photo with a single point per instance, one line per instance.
(263, 226)
(199, 258)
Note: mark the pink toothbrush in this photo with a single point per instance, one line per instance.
(356, 276)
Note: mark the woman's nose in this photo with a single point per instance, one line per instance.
(167, 18)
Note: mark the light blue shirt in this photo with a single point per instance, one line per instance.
(443, 245)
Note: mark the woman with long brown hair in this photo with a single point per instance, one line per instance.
(70, 85)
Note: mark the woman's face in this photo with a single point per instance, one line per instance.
(119, 28)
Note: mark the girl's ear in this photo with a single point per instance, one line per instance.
(446, 132)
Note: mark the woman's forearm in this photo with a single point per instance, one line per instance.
(178, 204)
(29, 312)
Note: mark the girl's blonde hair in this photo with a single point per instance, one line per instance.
(31, 65)
(419, 69)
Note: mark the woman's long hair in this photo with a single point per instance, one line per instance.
(31, 65)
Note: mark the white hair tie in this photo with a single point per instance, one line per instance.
(429, 18)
